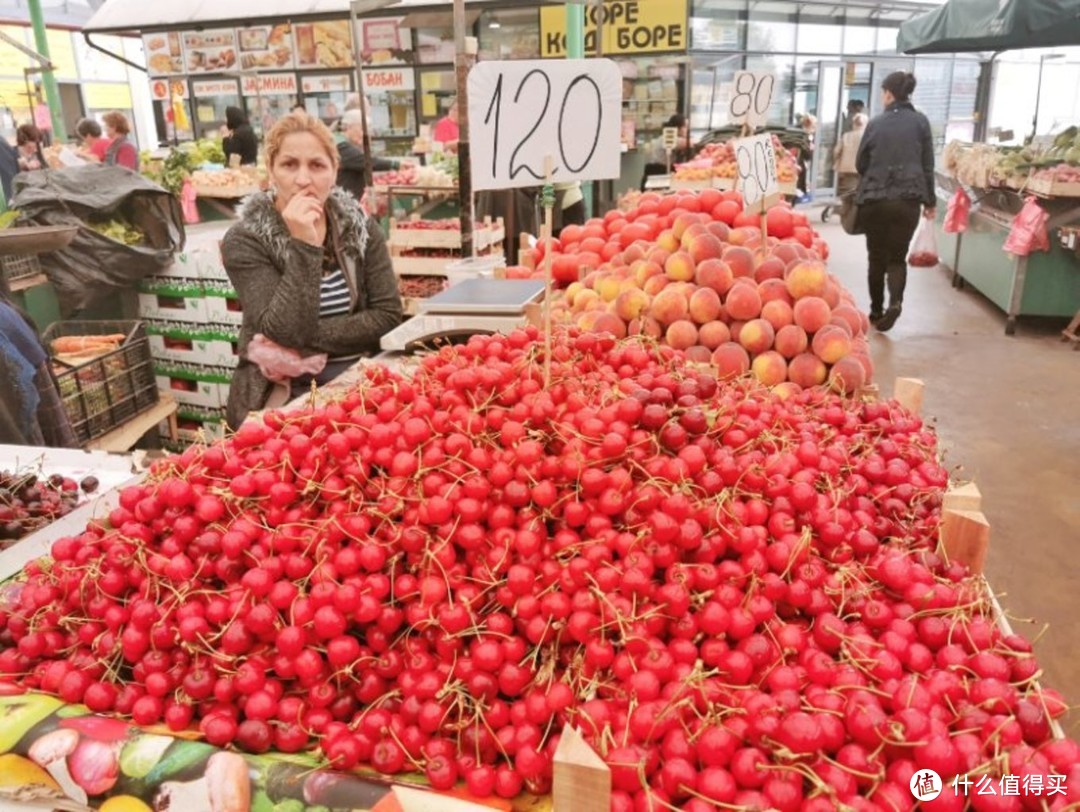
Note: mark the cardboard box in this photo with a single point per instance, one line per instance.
(196, 425)
(166, 307)
(191, 385)
(223, 309)
(209, 344)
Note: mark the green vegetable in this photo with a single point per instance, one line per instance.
(141, 754)
(289, 805)
(8, 218)
(183, 761)
(119, 230)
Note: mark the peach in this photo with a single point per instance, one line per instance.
(610, 323)
(714, 333)
(786, 252)
(791, 340)
(642, 269)
(740, 259)
(719, 230)
(699, 354)
(572, 290)
(841, 323)
(669, 306)
(786, 390)
(830, 344)
(769, 268)
(806, 278)
(680, 267)
(681, 335)
(778, 313)
(743, 302)
(851, 316)
(812, 313)
(715, 274)
(832, 294)
(683, 222)
(848, 375)
(735, 328)
(730, 360)
(658, 255)
(744, 235)
(770, 368)
(757, 336)
(668, 241)
(584, 299)
(645, 326)
(631, 303)
(704, 305)
(608, 288)
(705, 246)
(863, 357)
(774, 290)
(633, 252)
(587, 321)
(807, 370)
(654, 284)
(692, 233)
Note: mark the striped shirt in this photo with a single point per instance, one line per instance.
(333, 295)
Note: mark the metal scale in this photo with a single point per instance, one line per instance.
(470, 307)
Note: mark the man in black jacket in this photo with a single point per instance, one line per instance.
(241, 139)
(351, 171)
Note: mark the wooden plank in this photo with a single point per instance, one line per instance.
(123, 437)
(26, 282)
(908, 392)
(582, 781)
(965, 537)
(962, 497)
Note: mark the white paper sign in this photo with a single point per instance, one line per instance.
(671, 137)
(325, 84)
(756, 181)
(751, 96)
(523, 112)
(270, 84)
(204, 88)
(379, 80)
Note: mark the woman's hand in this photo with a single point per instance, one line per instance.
(929, 212)
(303, 214)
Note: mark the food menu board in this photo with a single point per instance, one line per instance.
(163, 54)
(384, 42)
(326, 44)
(210, 51)
(266, 46)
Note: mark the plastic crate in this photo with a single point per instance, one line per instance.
(19, 266)
(109, 390)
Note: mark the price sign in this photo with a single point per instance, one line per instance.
(522, 112)
(751, 96)
(755, 162)
(671, 137)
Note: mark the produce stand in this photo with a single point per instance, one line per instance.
(1041, 284)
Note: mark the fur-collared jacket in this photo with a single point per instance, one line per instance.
(277, 280)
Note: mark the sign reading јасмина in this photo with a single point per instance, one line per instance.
(626, 27)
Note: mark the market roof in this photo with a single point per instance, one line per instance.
(992, 25)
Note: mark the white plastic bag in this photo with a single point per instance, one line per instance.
(923, 252)
(280, 364)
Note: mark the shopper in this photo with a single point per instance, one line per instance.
(43, 120)
(95, 144)
(896, 165)
(312, 272)
(847, 176)
(241, 140)
(352, 158)
(28, 143)
(656, 157)
(808, 124)
(122, 150)
(446, 130)
(9, 168)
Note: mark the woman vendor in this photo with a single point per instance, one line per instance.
(312, 273)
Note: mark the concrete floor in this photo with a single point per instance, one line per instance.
(1007, 418)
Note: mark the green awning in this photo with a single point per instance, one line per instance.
(992, 25)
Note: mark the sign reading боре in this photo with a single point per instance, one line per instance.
(626, 26)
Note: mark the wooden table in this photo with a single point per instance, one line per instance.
(124, 436)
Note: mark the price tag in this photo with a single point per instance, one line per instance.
(522, 112)
(751, 96)
(671, 137)
(756, 180)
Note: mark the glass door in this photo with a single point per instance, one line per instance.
(829, 126)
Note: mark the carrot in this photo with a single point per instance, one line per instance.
(76, 344)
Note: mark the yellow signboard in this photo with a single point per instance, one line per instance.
(12, 60)
(62, 54)
(626, 27)
(13, 97)
(106, 96)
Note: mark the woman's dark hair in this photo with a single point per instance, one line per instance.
(88, 127)
(677, 120)
(901, 84)
(235, 117)
(27, 134)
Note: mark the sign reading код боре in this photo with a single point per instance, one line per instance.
(626, 27)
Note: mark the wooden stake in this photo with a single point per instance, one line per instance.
(962, 497)
(549, 166)
(965, 537)
(581, 781)
(908, 392)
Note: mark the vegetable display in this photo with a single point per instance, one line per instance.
(119, 230)
(737, 598)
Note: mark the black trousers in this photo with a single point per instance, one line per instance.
(889, 226)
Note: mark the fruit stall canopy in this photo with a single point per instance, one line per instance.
(992, 25)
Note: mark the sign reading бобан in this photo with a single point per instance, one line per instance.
(626, 26)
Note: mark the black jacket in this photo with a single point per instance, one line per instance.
(350, 176)
(242, 142)
(896, 157)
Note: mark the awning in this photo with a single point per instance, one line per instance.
(140, 15)
(992, 25)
